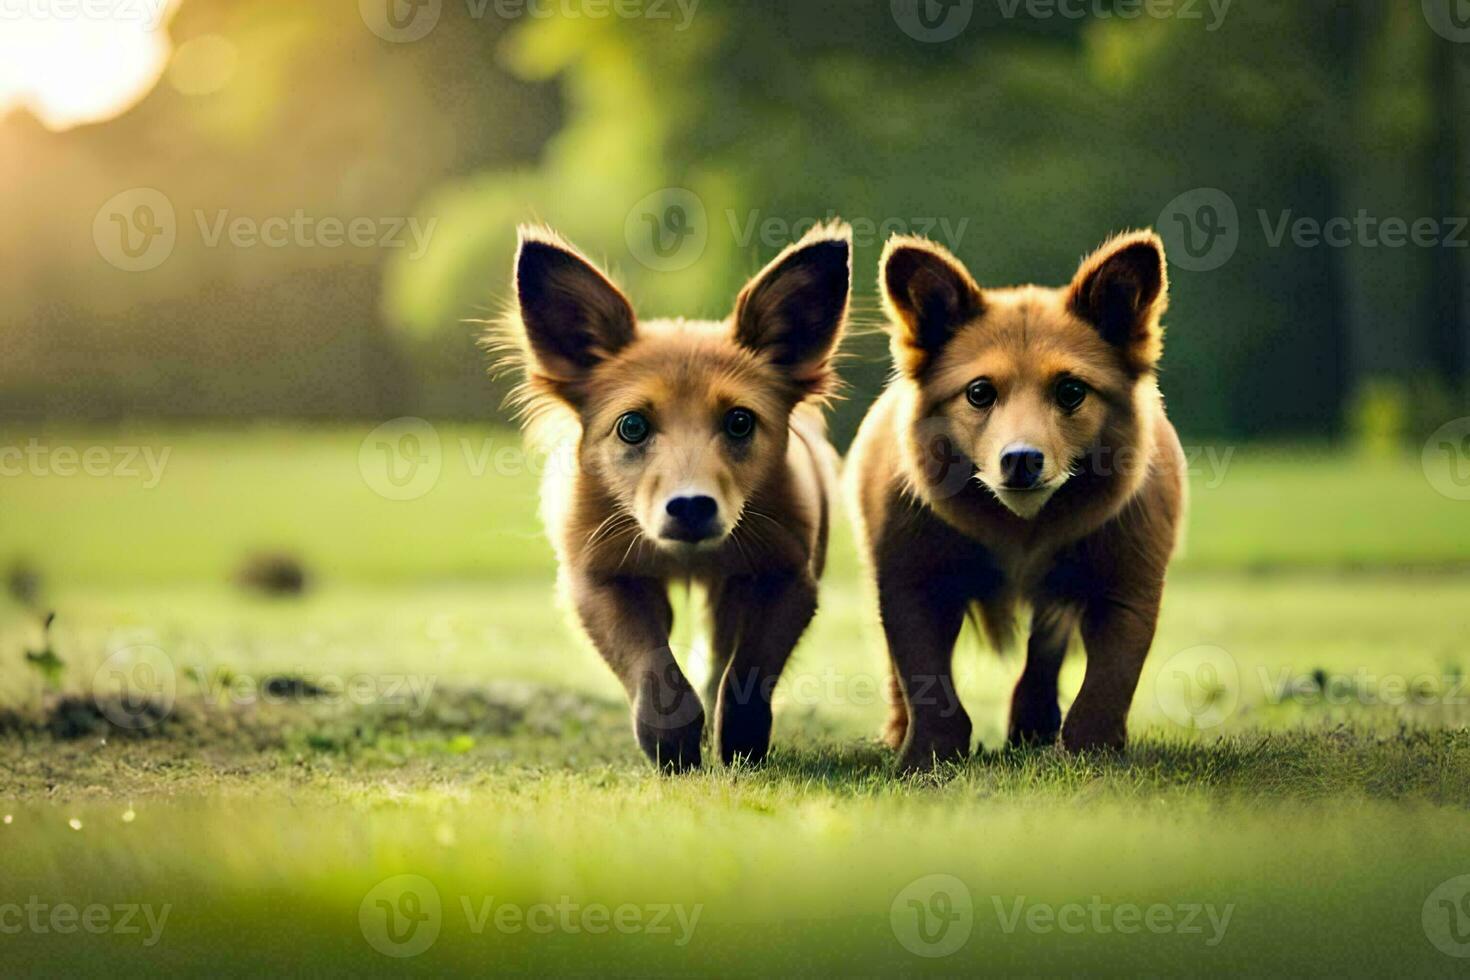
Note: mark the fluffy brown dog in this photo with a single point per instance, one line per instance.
(1020, 454)
(699, 456)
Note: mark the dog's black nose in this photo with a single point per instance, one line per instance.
(1020, 467)
(693, 518)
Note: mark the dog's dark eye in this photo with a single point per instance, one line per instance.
(633, 428)
(739, 423)
(1071, 393)
(982, 393)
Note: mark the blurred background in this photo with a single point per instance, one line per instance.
(224, 211)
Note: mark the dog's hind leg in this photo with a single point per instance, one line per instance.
(896, 728)
(757, 622)
(1036, 717)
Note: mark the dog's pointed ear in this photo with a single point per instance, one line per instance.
(572, 315)
(794, 310)
(928, 295)
(1122, 289)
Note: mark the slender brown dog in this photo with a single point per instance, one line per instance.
(696, 454)
(1021, 454)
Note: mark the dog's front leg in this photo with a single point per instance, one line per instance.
(757, 621)
(922, 621)
(1117, 631)
(629, 620)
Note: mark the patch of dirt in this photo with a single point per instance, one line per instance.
(274, 574)
(72, 716)
(296, 707)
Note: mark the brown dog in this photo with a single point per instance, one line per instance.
(699, 456)
(1020, 454)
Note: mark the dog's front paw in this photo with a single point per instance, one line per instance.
(671, 750)
(924, 751)
(745, 732)
(1080, 736)
(668, 720)
(1034, 725)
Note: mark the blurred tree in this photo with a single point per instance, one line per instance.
(1021, 142)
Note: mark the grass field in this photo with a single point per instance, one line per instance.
(417, 766)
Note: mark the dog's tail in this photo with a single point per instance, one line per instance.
(808, 425)
(996, 619)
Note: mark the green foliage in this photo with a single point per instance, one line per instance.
(1022, 142)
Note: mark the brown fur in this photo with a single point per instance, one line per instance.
(588, 362)
(945, 534)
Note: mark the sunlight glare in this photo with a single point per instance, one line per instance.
(72, 63)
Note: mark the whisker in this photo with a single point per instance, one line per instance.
(605, 522)
(622, 523)
(637, 539)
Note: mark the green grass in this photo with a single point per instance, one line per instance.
(223, 494)
(1319, 822)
